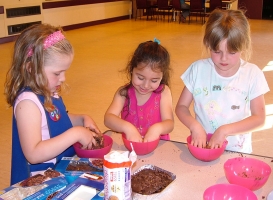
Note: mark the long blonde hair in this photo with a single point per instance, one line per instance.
(27, 70)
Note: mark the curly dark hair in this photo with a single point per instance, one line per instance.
(153, 55)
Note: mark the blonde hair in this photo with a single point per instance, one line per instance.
(27, 69)
(231, 25)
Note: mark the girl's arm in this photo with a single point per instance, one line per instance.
(167, 123)
(83, 120)
(29, 122)
(182, 111)
(249, 124)
(113, 121)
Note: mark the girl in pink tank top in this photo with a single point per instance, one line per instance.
(142, 109)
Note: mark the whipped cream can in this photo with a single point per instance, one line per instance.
(117, 175)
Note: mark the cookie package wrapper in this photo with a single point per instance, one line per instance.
(137, 196)
(117, 174)
(43, 184)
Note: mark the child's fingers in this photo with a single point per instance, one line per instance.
(94, 129)
(215, 145)
(97, 130)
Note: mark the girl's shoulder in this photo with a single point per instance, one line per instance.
(199, 67)
(163, 89)
(122, 92)
(27, 95)
(250, 68)
(202, 62)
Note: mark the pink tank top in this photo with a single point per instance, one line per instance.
(142, 117)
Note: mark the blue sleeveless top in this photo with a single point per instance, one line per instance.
(20, 168)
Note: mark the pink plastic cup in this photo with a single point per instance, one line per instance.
(141, 148)
(204, 154)
(95, 153)
(248, 172)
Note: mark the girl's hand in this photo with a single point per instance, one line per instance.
(134, 137)
(198, 136)
(87, 138)
(152, 134)
(218, 138)
(90, 123)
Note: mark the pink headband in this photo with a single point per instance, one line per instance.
(49, 41)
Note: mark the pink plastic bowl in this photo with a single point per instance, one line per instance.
(141, 148)
(227, 192)
(204, 154)
(248, 172)
(96, 153)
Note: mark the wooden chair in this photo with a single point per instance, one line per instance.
(177, 8)
(143, 5)
(215, 4)
(197, 8)
(162, 7)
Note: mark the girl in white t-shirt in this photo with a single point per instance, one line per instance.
(227, 91)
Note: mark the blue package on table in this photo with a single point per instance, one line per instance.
(42, 185)
(54, 186)
(73, 167)
(87, 186)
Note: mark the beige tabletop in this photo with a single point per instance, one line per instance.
(193, 177)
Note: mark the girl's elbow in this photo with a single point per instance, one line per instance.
(262, 121)
(32, 160)
(176, 110)
(171, 124)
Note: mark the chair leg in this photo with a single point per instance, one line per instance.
(180, 16)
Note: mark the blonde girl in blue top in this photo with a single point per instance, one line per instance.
(43, 131)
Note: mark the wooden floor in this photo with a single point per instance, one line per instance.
(102, 50)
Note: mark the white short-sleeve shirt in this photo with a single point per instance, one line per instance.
(222, 100)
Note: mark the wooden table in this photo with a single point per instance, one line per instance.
(193, 177)
(227, 3)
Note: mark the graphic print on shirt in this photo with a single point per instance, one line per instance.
(197, 91)
(240, 142)
(55, 114)
(234, 89)
(151, 112)
(213, 109)
(216, 88)
(205, 90)
(233, 107)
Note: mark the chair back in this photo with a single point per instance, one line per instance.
(196, 5)
(215, 4)
(141, 4)
(176, 4)
(162, 4)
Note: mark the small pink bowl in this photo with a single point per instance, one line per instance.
(95, 153)
(141, 148)
(228, 191)
(248, 172)
(204, 154)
